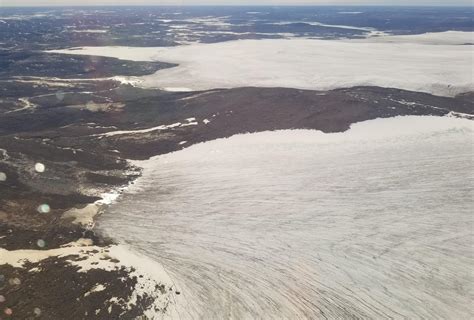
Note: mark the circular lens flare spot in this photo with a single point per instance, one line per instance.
(60, 95)
(37, 312)
(44, 208)
(39, 167)
(41, 243)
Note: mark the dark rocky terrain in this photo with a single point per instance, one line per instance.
(30, 64)
(53, 28)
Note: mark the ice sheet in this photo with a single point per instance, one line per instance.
(435, 63)
(373, 223)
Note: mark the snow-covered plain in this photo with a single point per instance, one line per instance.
(433, 38)
(435, 63)
(373, 223)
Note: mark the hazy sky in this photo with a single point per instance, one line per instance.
(232, 2)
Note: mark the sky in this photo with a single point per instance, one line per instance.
(232, 2)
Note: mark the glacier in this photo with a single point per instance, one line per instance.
(375, 222)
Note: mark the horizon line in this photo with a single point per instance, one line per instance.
(239, 5)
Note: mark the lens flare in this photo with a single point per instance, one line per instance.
(39, 167)
(37, 312)
(41, 243)
(44, 208)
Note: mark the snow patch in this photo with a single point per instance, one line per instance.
(350, 12)
(90, 31)
(319, 24)
(122, 132)
(97, 288)
(84, 216)
(178, 89)
(133, 81)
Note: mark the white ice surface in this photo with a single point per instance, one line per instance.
(82, 216)
(433, 38)
(319, 24)
(351, 12)
(91, 31)
(373, 223)
(433, 63)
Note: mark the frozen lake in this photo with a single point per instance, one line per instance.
(372, 223)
